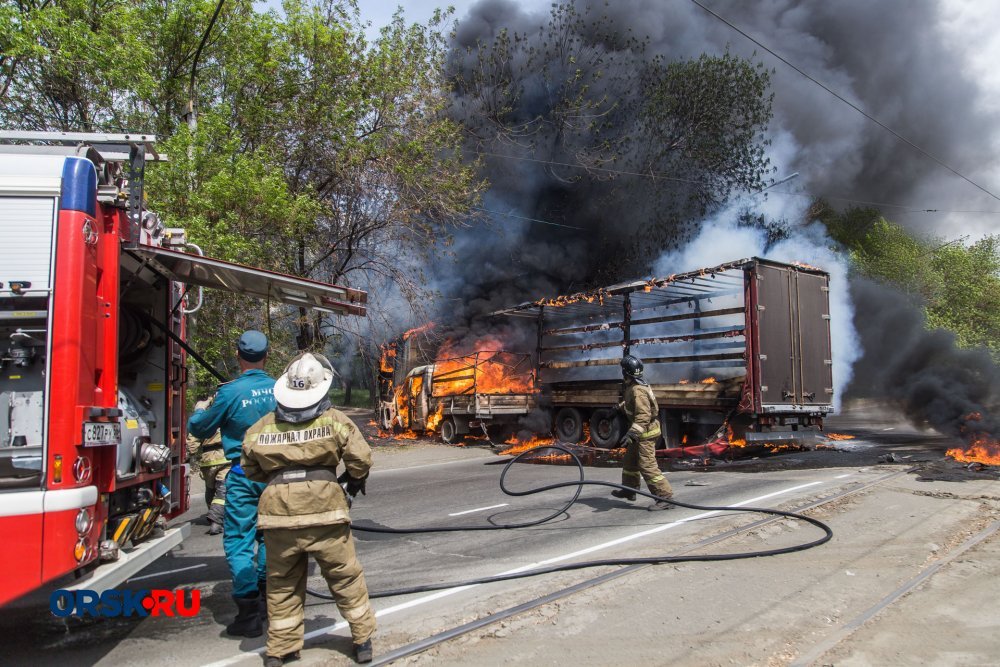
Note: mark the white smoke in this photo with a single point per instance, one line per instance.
(721, 239)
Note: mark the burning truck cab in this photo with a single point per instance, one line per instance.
(742, 347)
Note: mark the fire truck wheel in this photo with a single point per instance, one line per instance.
(569, 425)
(449, 431)
(606, 428)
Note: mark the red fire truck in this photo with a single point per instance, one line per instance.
(93, 306)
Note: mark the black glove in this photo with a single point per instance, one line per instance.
(353, 484)
(628, 439)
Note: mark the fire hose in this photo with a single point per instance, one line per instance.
(579, 484)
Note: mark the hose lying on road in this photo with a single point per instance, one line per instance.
(579, 484)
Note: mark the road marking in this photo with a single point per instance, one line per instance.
(891, 428)
(843, 476)
(431, 465)
(160, 574)
(480, 509)
(452, 591)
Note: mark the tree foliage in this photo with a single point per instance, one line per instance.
(958, 281)
(313, 152)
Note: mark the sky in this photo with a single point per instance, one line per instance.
(926, 69)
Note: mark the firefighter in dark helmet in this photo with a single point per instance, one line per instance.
(639, 441)
(303, 510)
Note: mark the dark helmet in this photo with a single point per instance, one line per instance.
(631, 367)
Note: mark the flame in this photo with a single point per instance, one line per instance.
(733, 440)
(710, 380)
(982, 448)
(484, 368)
(387, 358)
(684, 382)
(839, 436)
(518, 445)
(418, 330)
(434, 419)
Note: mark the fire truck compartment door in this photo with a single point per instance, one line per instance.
(219, 274)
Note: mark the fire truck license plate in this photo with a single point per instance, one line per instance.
(101, 433)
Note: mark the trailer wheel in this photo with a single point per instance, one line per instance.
(449, 431)
(606, 428)
(569, 425)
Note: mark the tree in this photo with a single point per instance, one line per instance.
(315, 152)
(957, 283)
(578, 124)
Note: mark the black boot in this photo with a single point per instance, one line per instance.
(623, 494)
(247, 622)
(262, 588)
(363, 652)
(275, 661)
(214, 528)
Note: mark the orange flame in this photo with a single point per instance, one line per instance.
(982, 448)
(485, 368)
(418, 330)
(839, 436)
(710, 380)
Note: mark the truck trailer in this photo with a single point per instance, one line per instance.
(743, 346)
(94, 301)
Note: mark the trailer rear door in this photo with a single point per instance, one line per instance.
(793, 336)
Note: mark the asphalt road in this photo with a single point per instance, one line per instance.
(430, 485)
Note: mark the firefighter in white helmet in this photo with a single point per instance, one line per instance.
(303, 511)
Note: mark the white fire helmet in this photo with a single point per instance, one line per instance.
(305, 382)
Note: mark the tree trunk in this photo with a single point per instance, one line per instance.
(348, 384)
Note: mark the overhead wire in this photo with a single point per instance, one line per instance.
(905, 208)
(846, 101)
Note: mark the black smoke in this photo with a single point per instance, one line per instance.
(931, 379)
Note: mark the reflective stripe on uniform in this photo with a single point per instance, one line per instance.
(631, 473)
(218, 501)
(356, 613)
(221, 461)
(285, 623)
(658, 478)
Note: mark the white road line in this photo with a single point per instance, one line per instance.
(480, 509)
(452, 591)
(891, 428)
(430, 465)
(160, 574)
(843, 476)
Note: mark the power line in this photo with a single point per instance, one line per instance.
(848, 102)
(905, 208)
(521, 217)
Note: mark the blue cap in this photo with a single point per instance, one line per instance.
(252, 345)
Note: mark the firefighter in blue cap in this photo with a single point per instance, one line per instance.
(238, 405)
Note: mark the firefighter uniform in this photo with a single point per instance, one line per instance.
(304, 512)
(213, 466)
(237, 405)
(639, 462)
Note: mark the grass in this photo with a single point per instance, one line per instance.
(359, 398)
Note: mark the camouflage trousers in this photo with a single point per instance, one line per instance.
(288, 551)
(215, 491)
(640, 464)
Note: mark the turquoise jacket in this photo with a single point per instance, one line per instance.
(237, 406)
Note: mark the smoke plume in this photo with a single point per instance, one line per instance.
(934, 381)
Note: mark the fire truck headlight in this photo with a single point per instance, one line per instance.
(80, 550)
(84, 522)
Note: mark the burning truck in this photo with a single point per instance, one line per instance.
(743, 348)
(485, 390)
